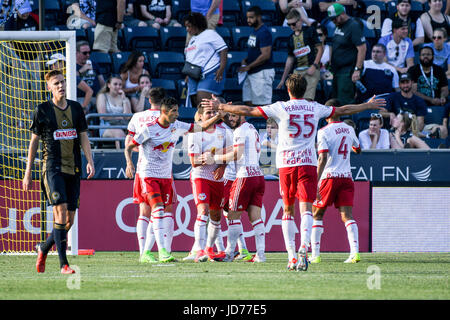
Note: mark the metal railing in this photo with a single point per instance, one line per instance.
(91, 116)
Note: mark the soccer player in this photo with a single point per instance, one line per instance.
(248, 188)
(335, 183)
(207, 186)
(296, 157)
(144, 225)
(61, 125)
(158, 141)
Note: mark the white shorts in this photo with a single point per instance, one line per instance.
(258, 87)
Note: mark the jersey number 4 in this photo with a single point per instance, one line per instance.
(343, 148)
(295, 124)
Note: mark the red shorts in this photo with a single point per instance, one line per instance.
(247, 192)
(137, 190)
(298, 182)
(207, 191)
(339, 191)
(226, 193)
(157, 190)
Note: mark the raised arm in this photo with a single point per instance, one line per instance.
(235, 109)
(355, 108)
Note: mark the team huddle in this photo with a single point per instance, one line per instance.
(226, 179)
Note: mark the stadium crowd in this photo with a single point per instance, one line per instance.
(348, 50)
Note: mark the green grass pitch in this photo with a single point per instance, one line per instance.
(119, 276)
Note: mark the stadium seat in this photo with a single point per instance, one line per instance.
(280, 37)
(167, 84)
(268, 10)
(231, 13)
(257, 122)
(434, 143)
(142, 38)
(186, 114)
(417, 8)
(118, 59)
(279, 94)
(232, 90)
(391, 7)
(234, 62)
(173, 38)
(104, 62)
(240, 36)
(381, 5)
(180, 8)
(167, 65)
(434, 114)
(225, 33)
(279, 60)
(181, 92)
(52, 14)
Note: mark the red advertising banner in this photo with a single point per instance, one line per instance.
(107, 218)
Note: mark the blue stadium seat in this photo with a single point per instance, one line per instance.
(118, 59)
(279, 94)
(381, 5)
(280, 37)
(52, 14)
(268, 10)
(186, 114)
(181, 92)
(417, 9)
(225, 33)
(167, 65)
(104, 62)
(279, 60)
(391, 7)
(231, 13)
(240, 37)
(232, 90)
(234, 62)
(180, 8)
(258, 122)
(173, 38)
(167, 84)
(142, 38)
(434, 143)
(435, 114)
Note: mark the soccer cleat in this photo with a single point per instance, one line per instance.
(210, 253)
(228, 258)
(317, 259)
(244, 255)
(40, 262)
(148, 257)
(219, 256)
(190, 256)
(201, 256)
(354, 258)
(302, 259)
(67, 270)
(292, 264)
(258, 258)
(165, 256)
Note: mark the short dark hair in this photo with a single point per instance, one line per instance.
(426, 48)
(197, 20)
(81, 43)
(256, 10)
(157, 95)
(51, 74)
(380, 45)
(296, 85)
(168, 103)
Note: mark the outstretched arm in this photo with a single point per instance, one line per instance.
(355, 108)
(240, 110)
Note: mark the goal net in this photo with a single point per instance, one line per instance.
(25, 217)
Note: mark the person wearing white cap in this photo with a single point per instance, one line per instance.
(57, 62)
(24, 21)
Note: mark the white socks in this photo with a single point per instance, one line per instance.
(317, 230)
(141, 230)
(200, 232)
(213, 232)
(305, 229)
(159, 226)
(288, 228)
(169, 231)
(150, 237)
(234, 230)
(352, 234)
(260, 239)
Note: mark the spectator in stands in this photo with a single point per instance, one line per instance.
(24, 21)
(305, 50)
(257, 88)
(300, 5)
(157, 13)
(375, 137)
(406, 101)
(208, 8)
(130, 72)
(112, 99)
(206, 49)
(130, 17)
(378, 77)
(269, 139)
(83, 14)
(5, 12)
(404, 133)
(141, 101)
(348, 53)
(351, 6)
(322, 32)
(88, 71)
(58, 62)
(399, 48)
(429, 80)
(434, 19)
(415, 28)
(441, 49)
(109, 15)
